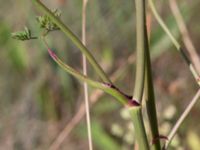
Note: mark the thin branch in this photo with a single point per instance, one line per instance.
(106, 87)
(174, 41)
(162, 24)
(85, 86)
(185, 34)
(81, 111)
(74, 39)
(182, 118)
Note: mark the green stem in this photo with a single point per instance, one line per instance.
(175, 42)
(74, 39)
(162, 24)
(136, 115)
(150, 102)
(106, 87)
(135, 112)
(140, 55)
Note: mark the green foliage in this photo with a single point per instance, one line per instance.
(46, 23)
(23, 35)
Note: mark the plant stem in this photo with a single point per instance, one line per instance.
(140, 55)
(136, 112)
(106, 87)
(74, 39)
(150, 102)
(94, 97)
(181, 119)
(85, 86)
(140, 133)
(175, 42)
(149, 92)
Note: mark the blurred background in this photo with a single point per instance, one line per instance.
(38, 99)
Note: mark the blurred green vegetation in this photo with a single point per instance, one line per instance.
(37, 98)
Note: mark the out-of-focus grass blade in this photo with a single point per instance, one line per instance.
(106, 105)
(101, 139)
(17, 53)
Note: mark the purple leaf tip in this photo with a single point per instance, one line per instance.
(52, 54)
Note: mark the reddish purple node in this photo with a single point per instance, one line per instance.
(159, 137)
(132, 103)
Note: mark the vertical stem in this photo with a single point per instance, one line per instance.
(150, 102)
(149, 91)
(136, 112)
(140, 133)
(86, 93)
(140, 56)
